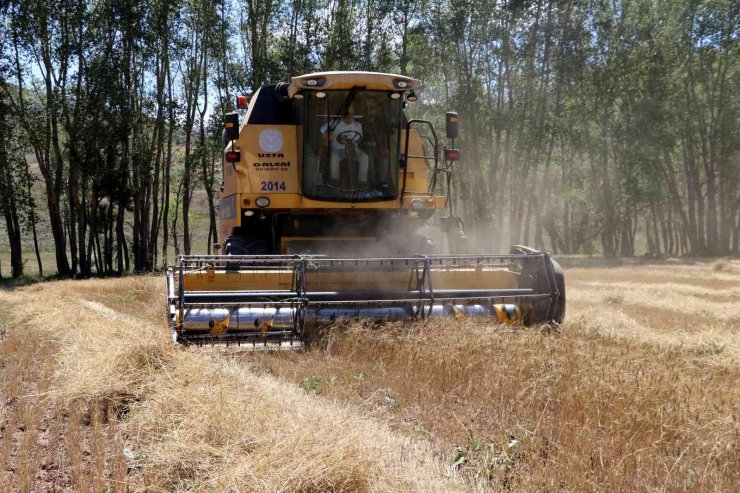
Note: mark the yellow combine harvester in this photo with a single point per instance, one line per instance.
(326, 183)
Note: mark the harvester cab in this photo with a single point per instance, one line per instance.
(326, 185)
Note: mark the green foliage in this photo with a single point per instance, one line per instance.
(488, 461)
(126, 298)
(583, 124)
(313, 384)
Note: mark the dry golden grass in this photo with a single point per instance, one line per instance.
(639, 393)
(203, 423)
(588, 411)
(691, 305)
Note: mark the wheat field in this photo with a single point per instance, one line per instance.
(640, 392)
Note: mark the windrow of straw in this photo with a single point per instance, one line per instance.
(195, 422)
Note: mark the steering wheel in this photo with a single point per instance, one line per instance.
(349, 136)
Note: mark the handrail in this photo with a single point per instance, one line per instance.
(289, 259)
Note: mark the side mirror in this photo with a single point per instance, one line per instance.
(231, 126)
(453, 126)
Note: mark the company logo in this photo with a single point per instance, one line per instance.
(281, 166)
(271, 140)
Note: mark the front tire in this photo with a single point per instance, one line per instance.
(245, 245)
(418, 244)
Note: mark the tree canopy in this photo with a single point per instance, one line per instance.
(587, 126)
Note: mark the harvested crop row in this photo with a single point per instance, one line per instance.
(201, 423)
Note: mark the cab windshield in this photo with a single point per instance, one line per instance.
(350, 147)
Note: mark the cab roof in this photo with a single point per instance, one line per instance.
(348, 79)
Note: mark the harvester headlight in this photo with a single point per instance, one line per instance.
(411, 97)
(395, 95)
(321, 94)
(418, 204)
(404, 84)
(317, 82)
(298, 95)
(262, 201)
